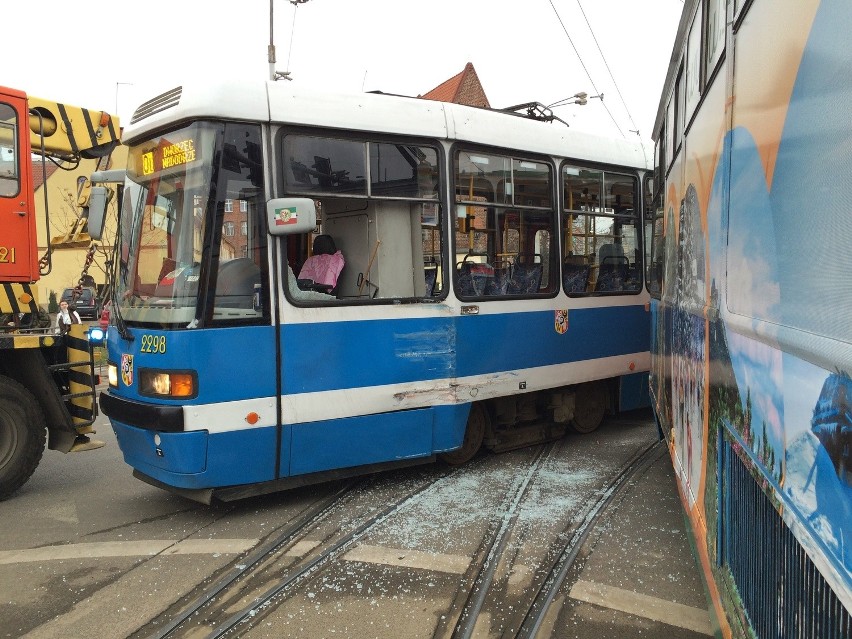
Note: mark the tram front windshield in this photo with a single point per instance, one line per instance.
(191, 251)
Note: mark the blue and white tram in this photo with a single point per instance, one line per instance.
(312, 286)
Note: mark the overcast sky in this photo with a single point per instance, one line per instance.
(114, 55)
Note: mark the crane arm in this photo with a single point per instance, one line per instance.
(71, 132)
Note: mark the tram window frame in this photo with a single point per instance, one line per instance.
(13, 178)
(680, 112)
(358, 220)
(713, 57)
(655, 262)
(741, 8)
(240, 178)
(692, 65)
(504, 241)
(668, 139)
(593, 209)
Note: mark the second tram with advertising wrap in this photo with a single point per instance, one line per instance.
(752, 343)
(312, 286)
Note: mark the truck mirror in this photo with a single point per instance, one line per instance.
(291, 215)
(98, 200)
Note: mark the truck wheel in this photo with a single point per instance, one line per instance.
(474, 433)
(589, 408)
(22, 436)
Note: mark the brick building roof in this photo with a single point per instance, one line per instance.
(462, 88)
(39, 176)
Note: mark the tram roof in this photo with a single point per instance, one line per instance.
(286, 103)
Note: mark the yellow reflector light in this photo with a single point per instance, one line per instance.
(183, 385)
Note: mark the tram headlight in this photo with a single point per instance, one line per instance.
(173, 384)
(112, 374)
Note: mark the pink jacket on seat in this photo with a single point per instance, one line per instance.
(322, 268)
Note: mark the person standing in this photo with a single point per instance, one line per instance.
(67, 315)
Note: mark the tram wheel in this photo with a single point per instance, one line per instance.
(22, 436)
(589, 408)
(474, 433)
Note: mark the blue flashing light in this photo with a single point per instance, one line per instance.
(97, 335)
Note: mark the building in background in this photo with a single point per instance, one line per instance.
(63, 185)
(462, 88)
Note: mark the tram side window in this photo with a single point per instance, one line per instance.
(715, 36)
(505, 225)
(601, 232)
(379, 215)
(693, 66)
(9, 178)
(656, 260)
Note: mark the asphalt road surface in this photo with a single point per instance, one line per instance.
(86, 550)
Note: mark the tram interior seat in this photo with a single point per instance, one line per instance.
(610, 251)
(235, 283)
(499, 284)
(526, 276)
(575, 274)
(303, 294)
(322, 269)
(612, 272)
(430, 275)
(474, 277)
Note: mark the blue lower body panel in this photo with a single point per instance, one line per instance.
(197, 459)
(358, 441)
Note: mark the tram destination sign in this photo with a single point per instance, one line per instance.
(168, 155)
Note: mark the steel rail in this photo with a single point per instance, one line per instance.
(495, 546)
(551, 584)
(308, 517)
(307, 568)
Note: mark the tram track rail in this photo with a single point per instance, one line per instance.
(556, 576)
(311, 515)
(261, 561)
(563, 554)
(257, 585)
(480, 576)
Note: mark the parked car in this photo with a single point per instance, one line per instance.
(86, 302)
(104, 321)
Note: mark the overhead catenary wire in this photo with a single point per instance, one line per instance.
(603, 57)
(635, 128)
(295, 4)
(582, 64)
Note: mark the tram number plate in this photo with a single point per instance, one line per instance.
(153, 344)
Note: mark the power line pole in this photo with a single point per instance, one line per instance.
(273, 74)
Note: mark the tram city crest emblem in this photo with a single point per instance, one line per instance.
(561, 324)
(127, 369)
